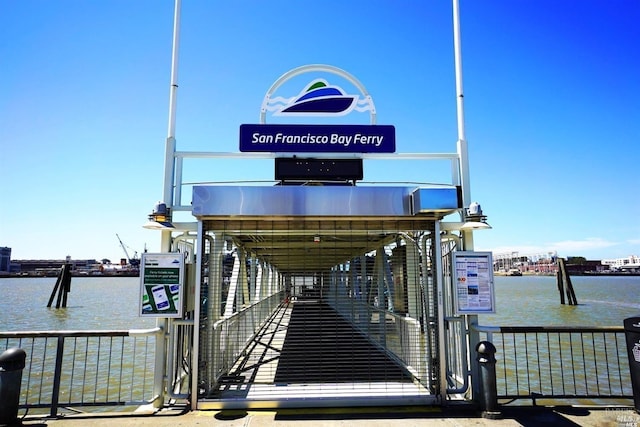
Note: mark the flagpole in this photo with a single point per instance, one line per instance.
(462, 140)
(467, 235)
(170, 146)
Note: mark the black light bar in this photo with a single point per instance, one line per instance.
(297, 169)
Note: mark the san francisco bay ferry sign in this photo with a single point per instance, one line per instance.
(322, 98)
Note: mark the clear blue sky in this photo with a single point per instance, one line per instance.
(552, 104)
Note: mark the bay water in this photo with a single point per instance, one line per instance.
(94, 303)
(113, 303)
(535, 301)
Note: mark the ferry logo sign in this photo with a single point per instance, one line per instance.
(318, 98)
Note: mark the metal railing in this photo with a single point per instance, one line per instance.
(399, 336)
(560, 362)
(68, 369)
(230, 336)
(456, 355)
(179, 358)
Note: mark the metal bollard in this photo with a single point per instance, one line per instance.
(12, 363)
(632, 337)
(489, 390)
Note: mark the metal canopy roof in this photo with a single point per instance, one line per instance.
(313, 244)
(303, 229)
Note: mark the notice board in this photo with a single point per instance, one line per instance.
(161, 284)
(473, 282)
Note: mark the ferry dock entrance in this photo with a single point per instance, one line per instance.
(319, 288)
(338, 306)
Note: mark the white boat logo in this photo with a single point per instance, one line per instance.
(636, 352)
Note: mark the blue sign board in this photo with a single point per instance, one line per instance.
(281, 138)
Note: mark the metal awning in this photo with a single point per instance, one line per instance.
(301, 229)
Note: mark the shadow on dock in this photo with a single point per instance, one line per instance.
(321, 347)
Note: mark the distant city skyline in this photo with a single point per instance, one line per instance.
(551, 110)
(496, 255)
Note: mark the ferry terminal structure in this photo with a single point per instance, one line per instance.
(316, 233)
(337, 294)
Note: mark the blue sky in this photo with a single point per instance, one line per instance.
(552, 109)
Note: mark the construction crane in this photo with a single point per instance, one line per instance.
(133, 261)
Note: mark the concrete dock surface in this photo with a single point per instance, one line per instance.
(357, 417)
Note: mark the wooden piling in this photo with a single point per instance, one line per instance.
(66, 282)
(62, 287)
(560, 286)
(55, 289)
(564, 284)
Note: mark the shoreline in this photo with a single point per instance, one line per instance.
(34, 275)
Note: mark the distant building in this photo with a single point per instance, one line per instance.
(49, 267)
(632, 262)
(5, 259)
(533, 263)
(587, 267)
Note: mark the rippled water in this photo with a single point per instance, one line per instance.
(535, 301)
(112, 303)
(93, 303)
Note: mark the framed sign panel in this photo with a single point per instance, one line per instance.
(473, 282)
(161, 284)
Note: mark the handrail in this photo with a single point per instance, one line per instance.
(78, 333)
(174, 351)
(560, 329)
(461, 374)
(560, 362)
(57, 367)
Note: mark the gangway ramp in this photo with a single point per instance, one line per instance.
(308, 351)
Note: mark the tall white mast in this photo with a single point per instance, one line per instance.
(170, 147)
(462, 141)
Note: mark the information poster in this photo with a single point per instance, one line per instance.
(161, 284)
(473, 282)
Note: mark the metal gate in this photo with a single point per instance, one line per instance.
(317, 311)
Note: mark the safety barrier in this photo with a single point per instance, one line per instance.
(560, 362)
(230, 336)
(70, 369)
(179, 358)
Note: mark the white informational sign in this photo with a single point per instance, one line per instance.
(161, 284)
(473, 282)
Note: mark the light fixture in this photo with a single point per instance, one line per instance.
(474, 219)
(447, 236)
(160, 218)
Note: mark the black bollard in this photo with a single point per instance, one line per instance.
(632, 337)
(489, 390)
(12, 363)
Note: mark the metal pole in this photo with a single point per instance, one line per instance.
(462, 142)
(167, 198)
(170, 146)
(439, 288)
(195, 350)
(467, 235)
(57, 374)
(169, 165)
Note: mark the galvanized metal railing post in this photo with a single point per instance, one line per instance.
(57, 373)
(176, 353)
(159, 363)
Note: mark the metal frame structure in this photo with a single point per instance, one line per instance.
(210, 244)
